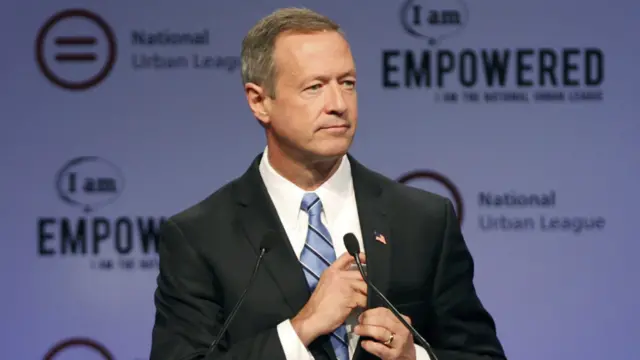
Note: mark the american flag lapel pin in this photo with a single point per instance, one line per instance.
(380, 238)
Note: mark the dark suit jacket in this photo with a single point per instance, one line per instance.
(207, 255)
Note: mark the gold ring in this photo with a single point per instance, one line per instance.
(390, 340)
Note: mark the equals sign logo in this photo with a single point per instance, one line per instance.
(75, 41)
(96, 52)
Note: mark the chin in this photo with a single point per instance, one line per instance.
(332, 148)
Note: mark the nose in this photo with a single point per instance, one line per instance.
(334, 100)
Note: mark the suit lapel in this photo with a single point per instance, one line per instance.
(373, 221)
(259, 216)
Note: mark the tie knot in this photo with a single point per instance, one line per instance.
(311, 204)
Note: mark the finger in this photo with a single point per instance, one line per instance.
(377, 349)
(381, 317)
(343, 262)
(351, 275)
(376, 332)
(359, 286)
(360, 300)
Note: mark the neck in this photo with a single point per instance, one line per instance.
(306, 174)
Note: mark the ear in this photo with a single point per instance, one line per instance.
(258, 102)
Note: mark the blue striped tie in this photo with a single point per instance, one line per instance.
(317, 255)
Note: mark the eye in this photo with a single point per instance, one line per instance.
(314, 87)
(349, 83)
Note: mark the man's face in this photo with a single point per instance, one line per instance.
(315, 109)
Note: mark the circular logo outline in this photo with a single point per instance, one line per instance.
(433, 175)
(435, 39)
(88, 207)
(95, 79)
(78, 341)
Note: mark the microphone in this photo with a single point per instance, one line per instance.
(268, 242)
(353, 248)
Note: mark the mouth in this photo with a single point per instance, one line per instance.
(337, 130)
(335, 127)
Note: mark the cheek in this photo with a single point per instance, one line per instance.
(304, 116)
(353, 107)
(296, 121)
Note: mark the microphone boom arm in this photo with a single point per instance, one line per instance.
(240, 301)
(414, 332)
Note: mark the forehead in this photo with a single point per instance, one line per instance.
(308, 53)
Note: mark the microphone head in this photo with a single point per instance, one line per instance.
(352, 245)
(269, 241)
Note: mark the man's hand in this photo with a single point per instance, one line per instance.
(393, 341)
(338, 292)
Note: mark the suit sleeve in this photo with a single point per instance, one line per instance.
(187, 317)
(464, 330)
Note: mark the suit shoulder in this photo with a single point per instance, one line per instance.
(206, 209)
(414, 206)
(413, 197)
(419, 195)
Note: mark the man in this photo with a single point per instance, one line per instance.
(307, 302)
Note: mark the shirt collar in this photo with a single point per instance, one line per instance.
(287, 196)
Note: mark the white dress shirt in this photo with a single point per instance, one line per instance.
(339, 215)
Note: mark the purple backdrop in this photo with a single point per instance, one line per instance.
(118, 114)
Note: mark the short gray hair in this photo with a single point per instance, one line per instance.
(258, 66)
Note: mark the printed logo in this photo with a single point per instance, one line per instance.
(107, 241)
(89, 182)
(433, 20)
(454, 193)
(485, 73)
(76, 49)
(66, 348)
